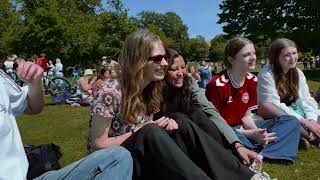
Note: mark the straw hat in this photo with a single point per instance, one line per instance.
(87, 72)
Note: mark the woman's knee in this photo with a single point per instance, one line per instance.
(290, 122)
(152, 131)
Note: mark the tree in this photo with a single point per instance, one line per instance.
(217, 46)
(11, 27)
(114, 28)
(73, 30)
(199, 50)
(169, 23)
(262, 21)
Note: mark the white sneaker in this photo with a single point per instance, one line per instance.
(255, 166)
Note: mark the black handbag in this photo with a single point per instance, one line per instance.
(42, 158)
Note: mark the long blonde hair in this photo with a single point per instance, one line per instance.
(135, 53)
(287, 84)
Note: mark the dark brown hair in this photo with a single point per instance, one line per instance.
(287, 84)
(234, 45)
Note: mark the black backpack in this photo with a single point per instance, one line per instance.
(42, 158)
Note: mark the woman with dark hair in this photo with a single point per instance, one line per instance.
(181, 102)
(233, 92)
(282, 89)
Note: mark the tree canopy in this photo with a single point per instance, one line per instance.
(264, 21)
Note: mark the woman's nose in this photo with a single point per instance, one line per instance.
(164, 62)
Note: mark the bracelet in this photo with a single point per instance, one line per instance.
(132, 130)
(239, 146)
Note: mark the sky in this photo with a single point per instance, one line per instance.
(199, 15)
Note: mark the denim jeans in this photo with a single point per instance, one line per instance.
(107, 164)
(285, 147)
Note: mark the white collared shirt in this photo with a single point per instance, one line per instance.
(267, 92)
(13, 101)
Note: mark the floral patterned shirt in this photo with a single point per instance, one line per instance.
(107, 104)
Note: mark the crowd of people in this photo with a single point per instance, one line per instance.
(151, 119)
(313, 62)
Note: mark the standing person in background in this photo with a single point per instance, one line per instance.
(108, 62)
(52, 70)
(9, 62)
(43, 62)
(305, 62)
(317, 63)
(59, 68)
(234, 93)
(11, 65)
(205, 75)
(283, 89)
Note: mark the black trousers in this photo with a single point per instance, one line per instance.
(196, 115)
(189, 153)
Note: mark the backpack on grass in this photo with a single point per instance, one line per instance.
(42, 158)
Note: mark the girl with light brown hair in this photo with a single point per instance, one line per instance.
(283, 89)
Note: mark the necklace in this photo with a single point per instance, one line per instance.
(233, 82)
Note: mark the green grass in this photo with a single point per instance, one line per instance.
(68, 127)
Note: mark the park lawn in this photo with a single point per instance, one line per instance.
(68, 127)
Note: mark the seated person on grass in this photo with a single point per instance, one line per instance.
(114, 163)
(233, 92)
(283, 90)
(123, 113)
(84, 86)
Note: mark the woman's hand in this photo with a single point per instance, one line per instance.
(312, 126)
(261, 136)
(167, 123)
(247, 155)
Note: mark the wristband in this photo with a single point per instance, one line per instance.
(239, 146)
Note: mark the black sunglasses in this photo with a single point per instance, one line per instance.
(158, 58)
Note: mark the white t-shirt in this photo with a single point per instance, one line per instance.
(9, 65)
(13, 101)
(59, 69)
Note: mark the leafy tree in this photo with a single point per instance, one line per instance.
(262, 21)
(10, 27)
(217, 46)
(199, 49)
(169, 23)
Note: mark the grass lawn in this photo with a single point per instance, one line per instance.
(68, 127)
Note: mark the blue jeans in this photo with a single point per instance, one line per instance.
(107, 164)
(285, 147)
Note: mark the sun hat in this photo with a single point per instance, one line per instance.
(87, 72)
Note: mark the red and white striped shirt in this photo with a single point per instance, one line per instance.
(231, 101)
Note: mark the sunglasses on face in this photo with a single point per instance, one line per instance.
(158, 58)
